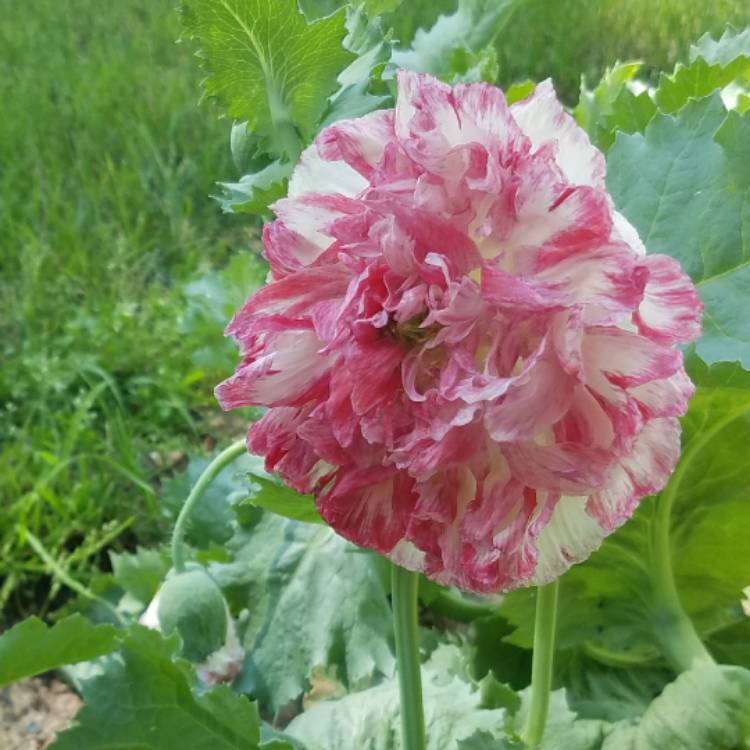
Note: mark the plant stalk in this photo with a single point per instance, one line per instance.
(674, 630)
(541, 664)
(404, 590)
(209, 474)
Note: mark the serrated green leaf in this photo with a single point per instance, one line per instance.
(705, 707)
(314, 601)
(255, 192)
(144, 699)
(509, 663)
(611, 106)
(359, 89)
(618, 613)
(564, 729)
(495, 694)
(31, 647)
(470, 67)
(598, 691)
(714, 64)
(139, 573)
(370, 719)
(272, 495)
(377, 7)
(685, 185)
(486, 741)
(472, 27)
(723, 51)
(267, 65)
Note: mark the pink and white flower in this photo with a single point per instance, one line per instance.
(467, 355)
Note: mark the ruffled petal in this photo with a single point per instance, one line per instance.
(671, 309)
(358, 143)
(543, 119)
(570, 536)
(532, 405)
(320, 172)
(644, 472)
(290, 373)
(370, 507)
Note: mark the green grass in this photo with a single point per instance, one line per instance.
(108, 244)
(565, 39)
(106, 163)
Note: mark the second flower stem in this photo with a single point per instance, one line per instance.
(209, 474)
(404, 589)
(541, 665)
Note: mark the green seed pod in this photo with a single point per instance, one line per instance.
(192, 604)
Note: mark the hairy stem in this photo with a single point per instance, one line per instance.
(404, 589)
(541, 665)
(210, 473)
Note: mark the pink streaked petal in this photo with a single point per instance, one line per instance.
(374, 373)
(360, 143)
(486, 118)
(317, 173)
(664, 398)
(425, 116)
(290, 373)
(551, 213)
(606, 276)
(293, 296)
(423, 458)
(644, 472)
(543, 119)
(503, 557)
(532, 405)
(432, 234)
(435, 523)
(370, 507)
(626, 359)
(567, 334)
(586, 421)
(395, 244)
(671, 310)
(286, 251)
(506, 290)
(311, 216)
(570, 536)
(273, 435)
(566, 468)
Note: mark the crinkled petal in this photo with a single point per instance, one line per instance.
(543, 119)
(370, 507)
(671, 309)
(358, 143)
(292, 372)
(319, 172)
(644, 472)
(532, 405)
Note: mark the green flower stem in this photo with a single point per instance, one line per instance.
(674, 630)
(541, 665)
(209, 474)
(404, 590)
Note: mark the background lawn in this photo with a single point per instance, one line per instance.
(117, 272)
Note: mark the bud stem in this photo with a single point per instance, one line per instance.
(209, 474)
